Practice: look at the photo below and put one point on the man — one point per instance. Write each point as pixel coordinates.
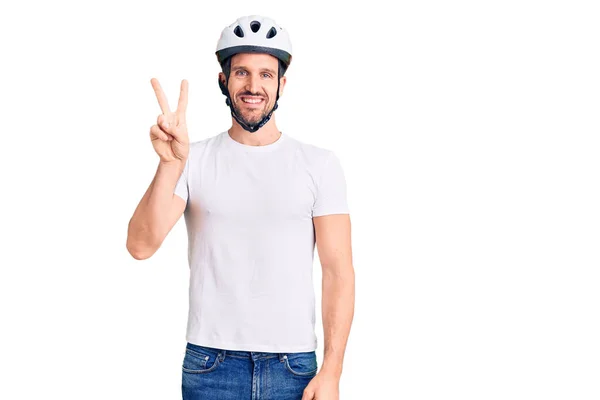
(255, 202)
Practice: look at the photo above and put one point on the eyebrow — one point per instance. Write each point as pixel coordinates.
(262, 69)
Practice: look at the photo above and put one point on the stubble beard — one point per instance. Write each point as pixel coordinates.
(251, 116)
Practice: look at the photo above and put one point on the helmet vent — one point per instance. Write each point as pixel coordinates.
(255, 26)
(272, 32)
(238, 31)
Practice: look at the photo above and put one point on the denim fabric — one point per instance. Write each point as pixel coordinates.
(218, 374)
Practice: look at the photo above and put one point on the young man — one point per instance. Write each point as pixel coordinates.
(255, 202)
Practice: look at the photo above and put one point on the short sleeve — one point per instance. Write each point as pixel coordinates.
(181, 188)
(331, 188)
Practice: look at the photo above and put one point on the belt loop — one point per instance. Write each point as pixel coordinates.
(223, 352)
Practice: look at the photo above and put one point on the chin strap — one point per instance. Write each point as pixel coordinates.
(259, 124)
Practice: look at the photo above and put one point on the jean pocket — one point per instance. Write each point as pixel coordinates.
(197, 361)
(301, 364)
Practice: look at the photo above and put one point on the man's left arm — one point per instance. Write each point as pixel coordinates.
(333, 239)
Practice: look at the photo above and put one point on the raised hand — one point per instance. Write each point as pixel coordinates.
(169, 136)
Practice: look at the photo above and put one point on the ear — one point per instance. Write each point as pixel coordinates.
(282, 81)
(222, 86)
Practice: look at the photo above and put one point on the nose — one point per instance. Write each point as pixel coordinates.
(253, 84)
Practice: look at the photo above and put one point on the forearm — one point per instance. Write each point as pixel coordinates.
(149, 221)
(338, 312)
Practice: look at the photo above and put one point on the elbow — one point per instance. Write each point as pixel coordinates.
(139, 255)
(140, 244)
(140, 251)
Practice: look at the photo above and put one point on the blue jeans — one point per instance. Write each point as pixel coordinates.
(217, 374)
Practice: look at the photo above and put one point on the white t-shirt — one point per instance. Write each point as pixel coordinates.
(251, 240)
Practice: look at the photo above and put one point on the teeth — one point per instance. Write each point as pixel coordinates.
(253, 101)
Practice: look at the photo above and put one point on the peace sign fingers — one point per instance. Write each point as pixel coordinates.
(160, 95)
(169, 136)
(183, 98)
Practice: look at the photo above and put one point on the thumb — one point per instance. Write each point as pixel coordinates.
(163, 121)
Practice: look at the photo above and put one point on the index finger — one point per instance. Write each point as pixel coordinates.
(160, 95)
(183, 97)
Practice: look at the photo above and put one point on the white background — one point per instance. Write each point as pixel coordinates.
(468, 132)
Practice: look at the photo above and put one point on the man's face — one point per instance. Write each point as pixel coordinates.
(253, 85)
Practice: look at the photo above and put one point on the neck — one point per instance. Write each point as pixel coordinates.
(266, 135)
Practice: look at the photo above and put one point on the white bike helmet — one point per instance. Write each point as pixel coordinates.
(253, 34)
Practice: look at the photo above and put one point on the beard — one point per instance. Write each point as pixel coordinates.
(251, 116)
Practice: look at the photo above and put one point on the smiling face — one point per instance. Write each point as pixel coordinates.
(253, 85)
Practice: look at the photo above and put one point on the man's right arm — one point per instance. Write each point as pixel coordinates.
(157, 213)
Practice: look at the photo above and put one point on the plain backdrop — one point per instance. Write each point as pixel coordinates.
(469, 135)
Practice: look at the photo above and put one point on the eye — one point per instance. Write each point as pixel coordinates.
(267, 74)
(239, 71)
